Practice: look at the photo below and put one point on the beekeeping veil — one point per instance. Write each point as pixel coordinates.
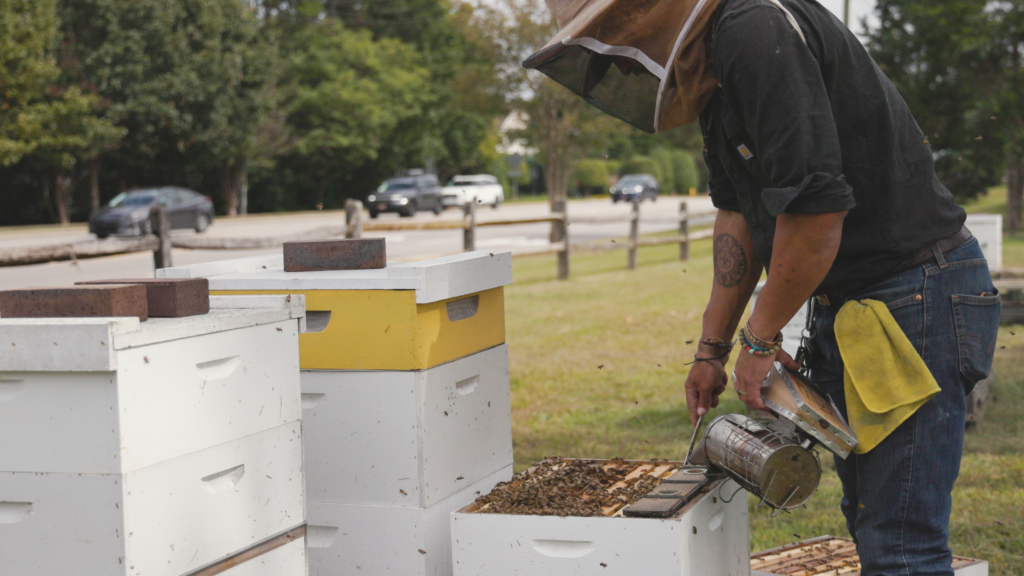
(642, 61)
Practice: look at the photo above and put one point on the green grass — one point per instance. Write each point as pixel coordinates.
(598, 365)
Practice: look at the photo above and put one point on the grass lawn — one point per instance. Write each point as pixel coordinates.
(597, 367)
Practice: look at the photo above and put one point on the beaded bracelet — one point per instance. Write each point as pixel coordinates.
(751, 346)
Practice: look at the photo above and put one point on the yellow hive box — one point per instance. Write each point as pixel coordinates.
(406, 316)
(388, 330)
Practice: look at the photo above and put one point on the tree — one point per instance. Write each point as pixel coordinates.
(57, 126)
(562, 127)
(958, 64)
(191, 81)
(349, 95)
(592, 175)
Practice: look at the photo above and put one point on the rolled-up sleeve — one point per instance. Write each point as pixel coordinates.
(722, 193)
(772, 81)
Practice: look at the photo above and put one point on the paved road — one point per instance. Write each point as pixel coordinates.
(401, 245)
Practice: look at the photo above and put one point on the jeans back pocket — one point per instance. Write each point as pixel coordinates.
(977, 325)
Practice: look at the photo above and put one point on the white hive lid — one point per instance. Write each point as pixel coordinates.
(91, 344)
(433, 280)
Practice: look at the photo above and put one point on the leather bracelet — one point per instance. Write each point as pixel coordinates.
(759, 342)
(712, 359)
(718, 343)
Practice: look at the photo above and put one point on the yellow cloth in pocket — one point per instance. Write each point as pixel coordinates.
(885, 379)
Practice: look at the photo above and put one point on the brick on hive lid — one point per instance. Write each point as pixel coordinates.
(76, 302)
(347, 254)
(169, 297)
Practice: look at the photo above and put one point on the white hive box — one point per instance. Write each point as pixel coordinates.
(149, 448)
(988, 229)
(708, 537)
(348, 539)
(163, 520)
(112, 395)
(829, 556)
(287, 560)
(406, 438)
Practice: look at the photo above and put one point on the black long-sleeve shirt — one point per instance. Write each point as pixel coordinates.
(805, 122)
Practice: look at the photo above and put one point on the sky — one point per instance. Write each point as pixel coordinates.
(858, 10)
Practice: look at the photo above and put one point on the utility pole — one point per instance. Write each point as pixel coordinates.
(846, 13)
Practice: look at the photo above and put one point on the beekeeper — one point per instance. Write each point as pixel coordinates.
(823, 181)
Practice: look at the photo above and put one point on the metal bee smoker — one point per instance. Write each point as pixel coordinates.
(764, 458)
(771, 455)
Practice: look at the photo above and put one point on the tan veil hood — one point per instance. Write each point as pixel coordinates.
(642, 61)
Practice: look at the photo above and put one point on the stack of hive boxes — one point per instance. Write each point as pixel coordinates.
(152, 448)
(405, 392)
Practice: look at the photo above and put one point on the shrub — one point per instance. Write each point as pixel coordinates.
(668, 181)
(685, 171)
(641, 165)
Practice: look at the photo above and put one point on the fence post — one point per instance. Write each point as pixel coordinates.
(469, 232)
(562, 235)
(161, 226)
(684, 231)
(353, 218)
(634, 234)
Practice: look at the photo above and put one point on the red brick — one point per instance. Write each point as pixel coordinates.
(75, 302)
(351, 254)
(169, 297)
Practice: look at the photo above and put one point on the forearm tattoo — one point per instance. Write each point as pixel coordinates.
(730, 261)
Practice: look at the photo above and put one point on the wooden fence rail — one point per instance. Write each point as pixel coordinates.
(161, 241)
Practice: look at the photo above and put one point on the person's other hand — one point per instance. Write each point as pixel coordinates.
(705, 383)
(751, 371)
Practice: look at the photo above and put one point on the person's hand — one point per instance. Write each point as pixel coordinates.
(705, 383)
(751, 371)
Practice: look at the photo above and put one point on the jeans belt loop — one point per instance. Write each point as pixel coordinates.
(939, 257)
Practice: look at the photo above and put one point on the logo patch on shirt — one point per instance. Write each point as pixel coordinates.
(745, 152)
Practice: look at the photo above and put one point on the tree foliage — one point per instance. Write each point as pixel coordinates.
(642, 165)
(960, 66)
(56, 125)
(296, 102)
(592, 174)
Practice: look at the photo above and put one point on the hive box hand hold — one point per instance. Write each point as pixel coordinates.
(169, 297)
(76, 302)
(349, 254)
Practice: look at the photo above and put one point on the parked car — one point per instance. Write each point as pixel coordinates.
(128, 212)
(407, 195)
(481, 188)
(635, 188)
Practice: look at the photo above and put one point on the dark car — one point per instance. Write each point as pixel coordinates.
(407, 195)
(635, 188)
(128, 212)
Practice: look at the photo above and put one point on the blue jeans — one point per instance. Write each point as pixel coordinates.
(897, 497)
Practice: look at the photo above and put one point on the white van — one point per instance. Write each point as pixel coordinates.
(483, 188)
